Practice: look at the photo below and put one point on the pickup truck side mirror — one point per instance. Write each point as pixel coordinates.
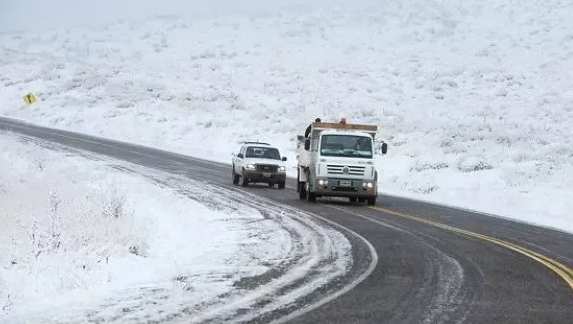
(284, 158)
(384, 148)
(307, 144)
(240, 155)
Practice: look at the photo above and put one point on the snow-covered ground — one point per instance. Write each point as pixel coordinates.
(473, 96)
(80, 240)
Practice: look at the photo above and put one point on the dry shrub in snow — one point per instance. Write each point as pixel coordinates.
(59, 223)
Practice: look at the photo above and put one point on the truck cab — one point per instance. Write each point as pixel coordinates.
(337, 160)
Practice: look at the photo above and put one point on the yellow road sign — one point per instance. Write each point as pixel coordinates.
(29, 98)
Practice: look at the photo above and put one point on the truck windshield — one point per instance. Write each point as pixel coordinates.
(346, 146)
(262, 152)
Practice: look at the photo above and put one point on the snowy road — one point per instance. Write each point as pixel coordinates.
(436, 264)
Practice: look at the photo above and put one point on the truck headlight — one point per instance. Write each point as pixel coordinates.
(322, 182)
(250, 167)
(368, 185)
(281, 169)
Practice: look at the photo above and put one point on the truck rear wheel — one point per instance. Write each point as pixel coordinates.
(301, 190)
(298, 178)
(281, 185)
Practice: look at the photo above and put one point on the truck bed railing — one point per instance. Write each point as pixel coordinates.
(363, 127)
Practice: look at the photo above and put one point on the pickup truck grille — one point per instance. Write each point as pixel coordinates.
(339, 169)
(267, 167)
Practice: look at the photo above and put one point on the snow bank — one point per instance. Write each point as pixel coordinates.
(63, 224)
(76, 234)
(473, 96)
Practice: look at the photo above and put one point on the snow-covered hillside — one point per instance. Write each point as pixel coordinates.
(473, 96)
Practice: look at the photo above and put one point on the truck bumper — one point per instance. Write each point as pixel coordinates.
(335, 187)
(257, 176)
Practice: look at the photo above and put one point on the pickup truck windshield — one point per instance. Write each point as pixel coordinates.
(262, 152)
(346, 146)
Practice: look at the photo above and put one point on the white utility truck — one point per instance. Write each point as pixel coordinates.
(337, 160)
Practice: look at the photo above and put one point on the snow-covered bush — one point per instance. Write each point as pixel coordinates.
(59, 221)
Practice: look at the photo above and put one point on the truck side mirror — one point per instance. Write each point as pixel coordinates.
(307, 144)
(284, 158)
(240, 155)
(384, 148)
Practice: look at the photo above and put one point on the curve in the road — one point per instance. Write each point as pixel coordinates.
(560, 269)
(430, 268)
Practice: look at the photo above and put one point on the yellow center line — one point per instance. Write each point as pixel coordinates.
(560, 269)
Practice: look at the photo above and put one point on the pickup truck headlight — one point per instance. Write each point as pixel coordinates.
(281, 169)
(250, 167)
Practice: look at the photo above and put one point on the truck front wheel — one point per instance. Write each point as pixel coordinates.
(371, 201)
(310, 196)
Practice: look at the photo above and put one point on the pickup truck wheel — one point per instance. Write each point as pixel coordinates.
(235, 177)
(352, 199)
(281, 185)
(245, 181)
(371, 201)
(271, 184)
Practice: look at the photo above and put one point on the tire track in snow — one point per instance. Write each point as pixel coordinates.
(319, 256)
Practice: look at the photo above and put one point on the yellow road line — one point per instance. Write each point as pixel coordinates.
(560, 269)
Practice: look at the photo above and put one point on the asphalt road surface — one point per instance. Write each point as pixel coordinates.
(435, 264)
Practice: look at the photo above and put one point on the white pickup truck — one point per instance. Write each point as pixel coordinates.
(337, 160)
(258, 162)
